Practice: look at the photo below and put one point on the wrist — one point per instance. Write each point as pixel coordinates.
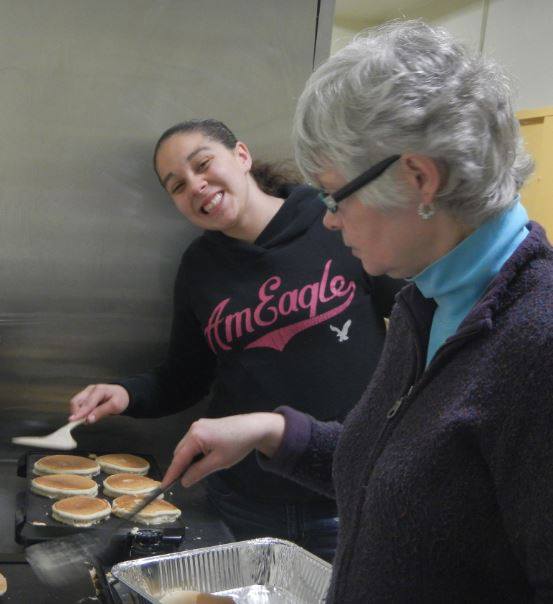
(272, 433)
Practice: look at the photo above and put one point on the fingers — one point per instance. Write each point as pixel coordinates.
(97, 401)
(181, 459)
(180, 444)
(197, 467)
(198, 433)
(76, 403)
(224, 442)
(200, 469)
(85, 401)
(196, 455)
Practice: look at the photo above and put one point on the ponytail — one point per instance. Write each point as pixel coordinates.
(274, 178)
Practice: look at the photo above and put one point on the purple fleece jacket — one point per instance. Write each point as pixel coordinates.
(444, 476)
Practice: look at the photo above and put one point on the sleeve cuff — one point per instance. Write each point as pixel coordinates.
(297, 434)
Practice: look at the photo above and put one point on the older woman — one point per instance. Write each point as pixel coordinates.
(443, 472)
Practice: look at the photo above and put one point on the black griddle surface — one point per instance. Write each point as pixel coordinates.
(34, 520)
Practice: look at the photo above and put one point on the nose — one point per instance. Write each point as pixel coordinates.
(331, 221)
(198, 184)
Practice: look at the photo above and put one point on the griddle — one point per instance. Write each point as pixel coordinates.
(34, 522)
(203, 526)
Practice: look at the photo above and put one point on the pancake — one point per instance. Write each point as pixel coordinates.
(80, 510)
(157, 512)
(115, 463)
(66, 464)
(129, 484)
(3, 585)
(56, 486)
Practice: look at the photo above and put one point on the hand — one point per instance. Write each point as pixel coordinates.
(224, 442)
(97, 401)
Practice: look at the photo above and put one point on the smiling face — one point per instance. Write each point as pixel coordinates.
(208, 183)
(395, 242)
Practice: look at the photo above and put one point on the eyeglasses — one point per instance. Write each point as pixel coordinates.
(332, 200)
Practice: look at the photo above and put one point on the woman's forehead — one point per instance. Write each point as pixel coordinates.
(191, 139)
(185, 146)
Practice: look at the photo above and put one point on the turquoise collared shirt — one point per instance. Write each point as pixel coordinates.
(457, 280)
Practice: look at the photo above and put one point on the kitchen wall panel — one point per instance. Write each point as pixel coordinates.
(89, 242)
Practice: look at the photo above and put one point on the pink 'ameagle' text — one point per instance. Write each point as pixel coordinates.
(222, 330)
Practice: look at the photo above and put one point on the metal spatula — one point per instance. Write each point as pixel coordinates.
(60, 439)
(58, 561)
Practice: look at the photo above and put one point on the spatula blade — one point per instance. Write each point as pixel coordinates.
(60, 439)
(43, 443)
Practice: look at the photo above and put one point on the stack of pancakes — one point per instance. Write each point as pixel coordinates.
(67, 478)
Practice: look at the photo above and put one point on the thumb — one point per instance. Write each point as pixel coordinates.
(200, 467)
(186, 455)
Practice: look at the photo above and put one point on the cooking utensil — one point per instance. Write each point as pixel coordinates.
(58, 561)
(60, 439)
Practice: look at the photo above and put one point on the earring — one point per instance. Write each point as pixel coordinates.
(426, 210)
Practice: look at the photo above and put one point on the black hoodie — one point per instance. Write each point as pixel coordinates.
(289, 319)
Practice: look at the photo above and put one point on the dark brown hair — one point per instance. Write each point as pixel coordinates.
(271, 178)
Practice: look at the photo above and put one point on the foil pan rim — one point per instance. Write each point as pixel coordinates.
(265, 557)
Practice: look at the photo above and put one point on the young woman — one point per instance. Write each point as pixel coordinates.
(443, 472)
(269, 308)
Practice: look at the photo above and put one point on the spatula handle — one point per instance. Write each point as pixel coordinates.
(74, 424)
(157, 492)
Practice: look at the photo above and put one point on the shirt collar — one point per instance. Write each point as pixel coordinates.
(478, 258)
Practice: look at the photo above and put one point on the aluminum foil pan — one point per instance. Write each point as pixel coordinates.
(260, 571)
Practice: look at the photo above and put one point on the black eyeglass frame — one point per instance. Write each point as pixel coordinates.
(331, 200)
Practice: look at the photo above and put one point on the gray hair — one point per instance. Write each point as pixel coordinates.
(407, 87)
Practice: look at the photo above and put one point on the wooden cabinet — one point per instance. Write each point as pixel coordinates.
(537, 194)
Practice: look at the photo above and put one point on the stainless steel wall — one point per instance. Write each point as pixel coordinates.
(89, 242)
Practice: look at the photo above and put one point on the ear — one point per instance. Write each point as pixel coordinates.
(242, 154)
(423, 175)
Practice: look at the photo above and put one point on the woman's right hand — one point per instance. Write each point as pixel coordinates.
(97, 401)
(214, 444)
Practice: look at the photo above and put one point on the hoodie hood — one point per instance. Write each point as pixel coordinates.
(300, 210)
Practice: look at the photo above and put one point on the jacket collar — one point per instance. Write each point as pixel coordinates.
(497, 295)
